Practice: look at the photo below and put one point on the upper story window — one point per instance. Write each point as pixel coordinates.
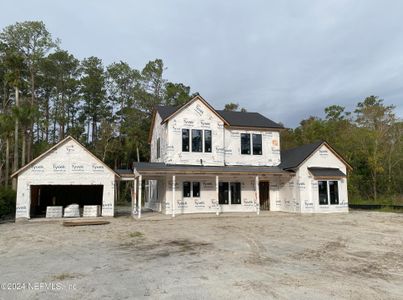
(246, 142)
(199, 140)
(257, 144)
(158, 148)
(207, 141)
(185, 140)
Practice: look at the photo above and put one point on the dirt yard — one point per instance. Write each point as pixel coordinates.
(275, 255)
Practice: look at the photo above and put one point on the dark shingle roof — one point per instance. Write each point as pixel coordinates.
(248, 119)
(326, 172)
(165, 111)
(292, 158)
(234, 118)
(166, 168)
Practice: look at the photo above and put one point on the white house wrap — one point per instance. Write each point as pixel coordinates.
(207, 160)
(65, 174)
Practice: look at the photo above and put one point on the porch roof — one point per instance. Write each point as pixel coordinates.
(326, 172)
(148, 168)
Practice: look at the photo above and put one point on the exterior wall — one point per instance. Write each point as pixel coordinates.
(196, 116)
(67, 164)
(208, 201)
(159, 131)
(309, 195)
(270, 148)
(300, 193)
(226, 142)
(288, 195)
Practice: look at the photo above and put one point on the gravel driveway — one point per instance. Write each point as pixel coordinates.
(358, 255)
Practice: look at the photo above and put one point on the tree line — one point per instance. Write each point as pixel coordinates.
(47, 94)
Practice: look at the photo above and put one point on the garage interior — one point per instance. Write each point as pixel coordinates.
(63, 195)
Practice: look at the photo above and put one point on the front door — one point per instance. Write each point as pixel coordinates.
(264, 195)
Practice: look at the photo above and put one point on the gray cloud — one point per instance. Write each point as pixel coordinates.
(285, 59)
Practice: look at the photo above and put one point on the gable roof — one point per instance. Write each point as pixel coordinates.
(182, 107)
(231, 118)
(293, 158)
(62, 142)
(165, 111)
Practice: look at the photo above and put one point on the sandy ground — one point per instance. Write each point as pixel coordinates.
(275, 255)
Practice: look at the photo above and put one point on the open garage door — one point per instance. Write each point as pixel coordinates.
(63, 195)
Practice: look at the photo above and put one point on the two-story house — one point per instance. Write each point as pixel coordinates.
(208, 160)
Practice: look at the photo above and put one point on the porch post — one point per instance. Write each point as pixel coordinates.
(140, 190)
(217, 194)
(134, 197)
(257, 195)
(173, 195)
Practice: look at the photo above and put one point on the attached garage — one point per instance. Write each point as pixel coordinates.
(65, 174)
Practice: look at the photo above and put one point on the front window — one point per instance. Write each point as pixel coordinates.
(328, 190)
(186, 189)
(257, 144)
(207, 141)
(235, 193)
(185, 140)
(223, 193)
(229, 191)
(196, 189)
(197, 137)
(334, 192)
(245, 143)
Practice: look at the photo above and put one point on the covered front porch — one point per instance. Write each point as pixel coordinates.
(182, 189)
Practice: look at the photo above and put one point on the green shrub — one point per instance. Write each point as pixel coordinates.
(7, 202)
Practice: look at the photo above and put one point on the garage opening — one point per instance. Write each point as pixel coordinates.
(63, 195)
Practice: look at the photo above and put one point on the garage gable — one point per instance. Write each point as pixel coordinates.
(66, 157)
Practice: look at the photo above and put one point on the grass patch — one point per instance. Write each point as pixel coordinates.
(390, 209)
(63, 276)
(136, 234)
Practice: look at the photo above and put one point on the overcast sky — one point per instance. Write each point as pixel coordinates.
(285, 59)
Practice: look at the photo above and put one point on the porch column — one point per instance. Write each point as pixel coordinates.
(134, 197)
(173, 195)
(140, 190)
(257, 195)
(217, 194)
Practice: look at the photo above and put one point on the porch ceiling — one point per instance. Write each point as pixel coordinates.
(144, 168)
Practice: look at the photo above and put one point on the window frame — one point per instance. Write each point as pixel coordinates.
(328, 193)
(229, 197)
(234, 201)
(243, 135)
(158, 148)
(191, 187)
(205, 141)
(253, 143)
(201, 140)
(187, 140)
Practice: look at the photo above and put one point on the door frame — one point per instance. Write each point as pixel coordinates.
(266, 202)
